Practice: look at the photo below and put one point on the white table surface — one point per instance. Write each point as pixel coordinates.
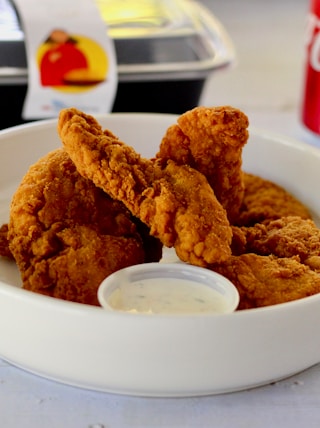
(266, 84)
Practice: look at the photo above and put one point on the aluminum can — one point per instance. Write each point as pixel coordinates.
(311, 92)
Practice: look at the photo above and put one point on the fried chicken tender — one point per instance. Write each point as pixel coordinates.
(211, 141)
(284, 237)
(67, 235)
(176, 202)
(264, 201)
(269, 280)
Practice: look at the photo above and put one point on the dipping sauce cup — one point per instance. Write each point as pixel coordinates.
(165, 288)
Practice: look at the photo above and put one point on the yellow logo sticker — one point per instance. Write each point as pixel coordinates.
(71, 62)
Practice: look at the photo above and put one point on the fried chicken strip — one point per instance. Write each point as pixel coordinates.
(67, 235)
(264, 201)
(176, 202)
(285, 237)
(269, 280)
(211, 141)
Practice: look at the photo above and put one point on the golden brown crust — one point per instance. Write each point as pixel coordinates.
(211, 141)
(284, 237)
(264, 201)
(275, 261)
(66, 235)
(176, 202)
(4, 243)
(268, 280)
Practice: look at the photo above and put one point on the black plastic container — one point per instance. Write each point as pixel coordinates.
(164, 56)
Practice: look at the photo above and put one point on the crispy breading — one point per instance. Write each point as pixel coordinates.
(4, 243)
(264, 201)
(67, 235)
(211, 141)
(176, 202)
(284, 237)
(239, 241)
(269, 280)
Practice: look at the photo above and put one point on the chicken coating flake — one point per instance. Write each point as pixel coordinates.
(4, 243)
(269, 280)
(211, 141)
(66, 235)
(284, 237)
(264, 201)
(176, 202)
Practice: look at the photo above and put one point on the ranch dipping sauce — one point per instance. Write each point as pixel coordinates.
(165, 288)
(166, 296)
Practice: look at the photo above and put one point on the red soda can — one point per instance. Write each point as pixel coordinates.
(311, 95)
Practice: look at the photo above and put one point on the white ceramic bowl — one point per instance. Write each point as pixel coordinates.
(164, 355)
